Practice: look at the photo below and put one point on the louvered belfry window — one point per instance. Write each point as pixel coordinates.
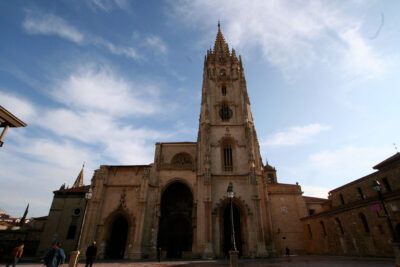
(228, 162)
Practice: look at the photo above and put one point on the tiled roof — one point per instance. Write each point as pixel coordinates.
(392, 159)
(314, 199)
(80, 189)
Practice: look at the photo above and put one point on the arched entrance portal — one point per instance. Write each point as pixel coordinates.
(175, 233)
(117, 240)
(227, 229)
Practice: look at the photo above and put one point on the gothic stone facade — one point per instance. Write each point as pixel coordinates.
(178, 204)
(355, 223)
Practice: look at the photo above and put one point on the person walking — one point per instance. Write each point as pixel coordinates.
(16, 254)
(51, 255)
(60, 255)
(91, 252)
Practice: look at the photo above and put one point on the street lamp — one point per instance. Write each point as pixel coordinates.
(232, 253)
(378, 188)
(74, 256)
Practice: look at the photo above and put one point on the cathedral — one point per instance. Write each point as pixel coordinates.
(178, 205)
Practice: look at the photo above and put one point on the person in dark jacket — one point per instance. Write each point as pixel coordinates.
(91, 252)
(51, 255)
(60, 255)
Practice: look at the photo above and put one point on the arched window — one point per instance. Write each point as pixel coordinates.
(228, 159)
(364, 222)
(223, 89)
(225, 112)
(323, 228)
(339, 225)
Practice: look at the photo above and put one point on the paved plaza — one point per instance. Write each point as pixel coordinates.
(298, 261)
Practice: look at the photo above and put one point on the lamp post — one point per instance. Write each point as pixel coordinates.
(233, 254)
(74, 255)
(395, 242)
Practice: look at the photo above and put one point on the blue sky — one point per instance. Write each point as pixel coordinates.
(100, 81)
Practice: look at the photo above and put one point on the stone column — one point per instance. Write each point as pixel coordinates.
(208, 249)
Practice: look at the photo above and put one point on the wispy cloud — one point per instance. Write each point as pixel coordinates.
(50, 24)
(98, 88)
(96, 103)
(156, 43)
(295, 135)
(290, 34)
(325, 170)
(87, 121)
(107, 5)
(127, 51)
(46, 165)
(17, 105)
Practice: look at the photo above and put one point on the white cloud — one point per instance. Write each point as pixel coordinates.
(349, 161)
(315, 191)
(155, 42)
(295, 135)
(98, 88)
(332, 168)
(46, 165)
(359, 57)
(120, 143)
(91, 127)
(49, 24)
(62, 154)
(290, 34)
(18, 106)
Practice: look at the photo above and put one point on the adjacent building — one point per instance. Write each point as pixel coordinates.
(353, 221)
(65, 217)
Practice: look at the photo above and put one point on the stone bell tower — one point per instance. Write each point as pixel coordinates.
(228, 151)
(225, 118)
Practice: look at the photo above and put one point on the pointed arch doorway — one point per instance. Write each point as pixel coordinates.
(227, 229)
(117, 239)
(175, 234)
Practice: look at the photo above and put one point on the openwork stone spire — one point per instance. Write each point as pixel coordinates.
(220, 45)
(79, 180)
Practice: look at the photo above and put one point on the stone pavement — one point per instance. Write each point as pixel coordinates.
(292, 261)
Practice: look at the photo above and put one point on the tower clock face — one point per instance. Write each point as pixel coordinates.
(225, 113)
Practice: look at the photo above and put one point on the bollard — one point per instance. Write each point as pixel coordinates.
(233, 258)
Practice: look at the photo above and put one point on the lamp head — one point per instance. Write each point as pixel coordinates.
(229, 190)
